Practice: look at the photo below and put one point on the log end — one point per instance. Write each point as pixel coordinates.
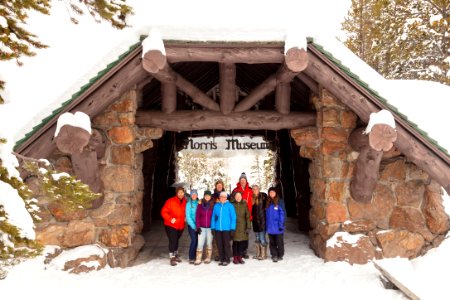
(71, 139)
(296, 59)
(154, 60)
(382, 137)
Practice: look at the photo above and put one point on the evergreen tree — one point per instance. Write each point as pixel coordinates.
(17, 41)
(402, 39)
(256, 170)
(268, 170)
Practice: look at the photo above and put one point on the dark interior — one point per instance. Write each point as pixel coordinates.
(292, 176)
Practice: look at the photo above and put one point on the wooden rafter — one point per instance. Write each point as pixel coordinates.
(122, 77)
(160, 69)
(199, 120)
(227, 87)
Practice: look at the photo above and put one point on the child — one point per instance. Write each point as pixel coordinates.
(275, 218)
(203, 223)
(240, 236)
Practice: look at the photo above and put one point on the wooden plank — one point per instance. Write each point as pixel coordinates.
(408, 291)
(199, 120)
(227, 86)
(248, 55)
(94, 100)
(407, 141)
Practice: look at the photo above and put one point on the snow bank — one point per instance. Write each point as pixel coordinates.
(345, 237)
(17, 214)
(73, 254)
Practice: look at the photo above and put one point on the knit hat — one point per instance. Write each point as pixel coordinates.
(194, 191)
(243, 176)
(224, 194)
(207, 192)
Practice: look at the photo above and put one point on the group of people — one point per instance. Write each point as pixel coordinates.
(220, 218)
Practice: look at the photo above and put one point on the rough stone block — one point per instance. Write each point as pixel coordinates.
(122, 155)
(400, 243)
(121, 135)
(79, 233)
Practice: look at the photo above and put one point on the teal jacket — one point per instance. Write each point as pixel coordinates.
(191, 210)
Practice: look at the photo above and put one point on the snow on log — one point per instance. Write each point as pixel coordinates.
(381, 130)
(73, 132)
(295, 52)
(153, 52)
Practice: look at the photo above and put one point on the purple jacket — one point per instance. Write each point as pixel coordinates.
(203, 214)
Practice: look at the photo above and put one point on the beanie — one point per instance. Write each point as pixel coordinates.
(243, 176)
(207, 192)
(194, 191)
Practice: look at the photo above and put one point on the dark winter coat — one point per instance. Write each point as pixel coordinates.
(247, 194)
(275, 218)
(204, 214)
(259, 213)
(243, 224)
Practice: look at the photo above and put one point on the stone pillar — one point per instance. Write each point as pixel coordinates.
(119, 221)
(405, 216)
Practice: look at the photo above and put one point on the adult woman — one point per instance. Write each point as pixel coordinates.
(275, 222)
(174, 214)
(203, 223)
(240, 237)
(191, 209)
(223, 222)
(259, 200)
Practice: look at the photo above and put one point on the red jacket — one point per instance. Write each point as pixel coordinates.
(173, 208)
(247, 195)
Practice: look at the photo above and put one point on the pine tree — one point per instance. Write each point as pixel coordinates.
(17, 41)
(268, 170)
(402, 39)
(256, 170)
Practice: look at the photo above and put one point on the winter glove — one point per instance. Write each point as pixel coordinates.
(199, 230)
(232, 233)
(173, 220)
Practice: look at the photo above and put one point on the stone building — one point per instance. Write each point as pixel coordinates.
(144, 105)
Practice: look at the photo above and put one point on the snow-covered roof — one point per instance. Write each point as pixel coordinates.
(188, 23)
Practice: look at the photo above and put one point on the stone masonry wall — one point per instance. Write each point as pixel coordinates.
(117, 223)
(405, 217)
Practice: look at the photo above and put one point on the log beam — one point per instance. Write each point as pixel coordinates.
(414, 147)
(232, 55)
(160, 69)
(169, 97)
(227, 86)
(199, 120)
(283, 98)
(282, 76)
(122, 77)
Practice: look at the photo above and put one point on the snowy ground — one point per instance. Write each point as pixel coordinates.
(301, 272)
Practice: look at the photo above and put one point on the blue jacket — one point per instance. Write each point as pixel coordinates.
(275, 218)
(223, 217)
(191, 209)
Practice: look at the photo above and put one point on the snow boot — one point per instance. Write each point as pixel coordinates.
(263, 252)
(198, 257)
(208, 255)
(275, 259)
(177, 257)
(240, 260)
(235, 260)
(172, 260)
(258, 251)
